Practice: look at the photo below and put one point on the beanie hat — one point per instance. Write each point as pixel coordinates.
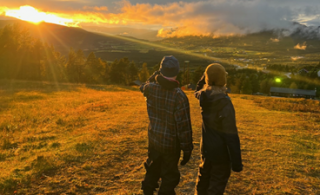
(216, 75)
(169, 66)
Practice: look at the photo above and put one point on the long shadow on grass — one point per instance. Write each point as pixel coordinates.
(29, 91)
(12, 87)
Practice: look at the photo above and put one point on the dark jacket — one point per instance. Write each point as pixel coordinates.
(220, 141)
(169, 113)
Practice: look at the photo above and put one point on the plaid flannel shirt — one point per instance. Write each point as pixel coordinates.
(169, 114)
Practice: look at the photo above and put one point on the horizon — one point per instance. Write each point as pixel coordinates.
(170, 18)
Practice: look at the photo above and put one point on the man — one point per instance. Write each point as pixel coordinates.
(169, 129)
(220, 144)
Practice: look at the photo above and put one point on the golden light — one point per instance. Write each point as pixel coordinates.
(30, 14)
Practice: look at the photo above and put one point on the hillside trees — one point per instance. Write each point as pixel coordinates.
(54, 68)
(8, 49)
(185, 77)
(293, 86)
(123, 70)
(37, 57)
(197, 74)
(133, 72)
(21, 56)
(94, 69)
(246, 87)
(254, 80)
(155, 68)
(80, 61)
(71, 66)
(28, 58)
(265, 85)
(144, 73)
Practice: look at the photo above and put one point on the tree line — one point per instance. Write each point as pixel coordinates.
(250, 81)
(24, 57)
(303, 70)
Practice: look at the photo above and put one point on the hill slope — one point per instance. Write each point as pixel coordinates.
(62, 37)
(107, 47)
(93, 139)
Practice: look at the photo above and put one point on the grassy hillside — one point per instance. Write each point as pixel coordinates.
(78, 139)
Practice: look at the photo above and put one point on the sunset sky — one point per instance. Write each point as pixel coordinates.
(187, 17)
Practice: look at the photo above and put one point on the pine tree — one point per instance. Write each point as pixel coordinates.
(94, 69)
(79, 64)
(118, 71)
(185, 79)
(265, 85)
(144, 73)
(197, 74)
(71, 66)
(37, 56)
(57, 67)
(254, 80)
(124, 65)
(132, 72)
(246, 87)
(155, 68)
(293, 86)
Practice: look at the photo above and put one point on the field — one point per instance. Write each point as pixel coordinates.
(83, 139)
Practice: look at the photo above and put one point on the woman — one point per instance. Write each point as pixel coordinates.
(220, 144)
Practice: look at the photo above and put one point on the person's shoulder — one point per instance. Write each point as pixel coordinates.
(180, 93)
(181, 96)
(148, 87)
(152, 85)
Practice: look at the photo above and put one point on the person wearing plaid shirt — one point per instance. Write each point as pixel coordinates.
(169, 129)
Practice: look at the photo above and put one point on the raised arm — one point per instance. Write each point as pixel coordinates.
(201, 83)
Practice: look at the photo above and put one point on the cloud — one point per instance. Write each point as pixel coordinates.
(301, 47)
(274, 40)
(219, 17)
(214, 17)
(294, 58)
(96, 8)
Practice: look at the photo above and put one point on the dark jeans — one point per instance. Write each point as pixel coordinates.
(164, 166)
(212, 178)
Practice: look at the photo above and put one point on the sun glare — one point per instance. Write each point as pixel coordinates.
(30, 14)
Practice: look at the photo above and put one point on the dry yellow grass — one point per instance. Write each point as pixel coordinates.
(93, 140)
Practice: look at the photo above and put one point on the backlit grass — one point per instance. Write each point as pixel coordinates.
(78, 139)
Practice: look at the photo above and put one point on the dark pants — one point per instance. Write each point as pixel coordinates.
(164, 166)
(212, 178)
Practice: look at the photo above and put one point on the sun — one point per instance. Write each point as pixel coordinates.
(30, 14)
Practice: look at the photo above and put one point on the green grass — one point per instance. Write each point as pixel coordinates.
(79, 139)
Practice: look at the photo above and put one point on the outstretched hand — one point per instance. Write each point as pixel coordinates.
(186, 157)
(201, 82)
